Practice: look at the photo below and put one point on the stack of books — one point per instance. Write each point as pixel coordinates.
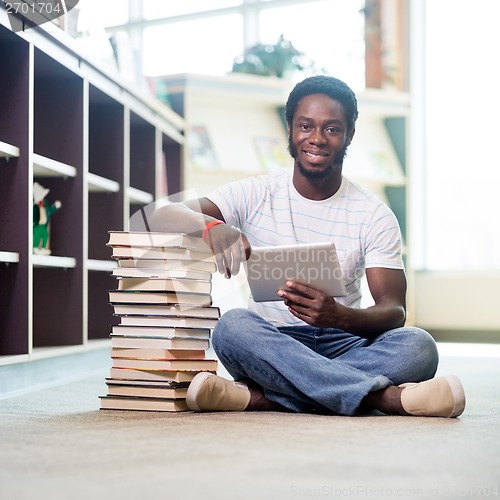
(164, 304)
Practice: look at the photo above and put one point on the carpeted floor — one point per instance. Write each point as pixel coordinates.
(56, 444)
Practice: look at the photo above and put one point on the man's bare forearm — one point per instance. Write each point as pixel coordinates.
(178, 218)
(373, 320)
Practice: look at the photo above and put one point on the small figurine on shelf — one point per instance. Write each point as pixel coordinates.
(42, 213)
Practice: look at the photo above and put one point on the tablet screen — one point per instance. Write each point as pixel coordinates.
(313, 264)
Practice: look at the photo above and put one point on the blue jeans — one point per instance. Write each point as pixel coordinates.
(308, 369)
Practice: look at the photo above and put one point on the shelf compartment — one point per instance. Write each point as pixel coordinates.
(57, 306)
(106, 135)
(142, 155)
(100, 312)
(47, 167)
(106, 172)
(105, 214)
(58, 110)
(14, 307)
(53, 261)
(15, 177)
(170, 171)
(14, 91)
(8, 150)
(98, 184)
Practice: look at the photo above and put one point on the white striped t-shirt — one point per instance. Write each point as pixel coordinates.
(269, 211)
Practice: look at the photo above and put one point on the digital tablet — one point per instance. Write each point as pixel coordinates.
(313, 264)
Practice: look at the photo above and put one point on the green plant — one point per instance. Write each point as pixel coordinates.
(273, 60)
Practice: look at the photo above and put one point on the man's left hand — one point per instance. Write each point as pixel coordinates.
(311, 306)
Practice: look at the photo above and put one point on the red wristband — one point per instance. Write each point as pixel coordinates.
(208, 227)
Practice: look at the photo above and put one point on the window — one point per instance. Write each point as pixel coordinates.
(194, 46)
(153, 9)
(462, 172)
(330, 32)
(99, 13)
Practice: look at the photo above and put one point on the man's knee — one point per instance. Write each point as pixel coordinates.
(231, 324)
(423, 349)
(416, 355)
(231, 320)
(424, 342)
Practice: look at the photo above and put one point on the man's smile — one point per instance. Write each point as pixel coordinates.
(315, 157)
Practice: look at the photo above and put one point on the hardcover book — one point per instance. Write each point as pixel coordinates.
(161, 253)
(144, 389)
(168, 321)
(161, 332)
(150, 383)
(142, 404)
(165, 264)
(165, 285)
(135, 342)
(141, 375)
(144, 297)
(143, 352)
(166, 364)
(156, 239)
(166, 310)
(145, 273)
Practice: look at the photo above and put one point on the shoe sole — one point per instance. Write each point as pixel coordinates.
(194, 389)
(458, 395)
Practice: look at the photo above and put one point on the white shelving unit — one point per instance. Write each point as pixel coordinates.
(101, 147)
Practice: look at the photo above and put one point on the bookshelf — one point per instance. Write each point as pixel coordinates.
(104, 150)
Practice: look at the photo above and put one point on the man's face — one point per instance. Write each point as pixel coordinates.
(318, 137)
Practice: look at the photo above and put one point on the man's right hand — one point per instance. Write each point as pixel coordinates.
(230, 246)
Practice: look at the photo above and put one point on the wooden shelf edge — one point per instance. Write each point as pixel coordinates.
(138, 196)
(54, 261)
(8, 150)
(9, 257)
(47, 167)
(101, 265)
(100, 184)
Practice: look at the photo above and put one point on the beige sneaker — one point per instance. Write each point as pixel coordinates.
(209, 392)
(437, 397)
